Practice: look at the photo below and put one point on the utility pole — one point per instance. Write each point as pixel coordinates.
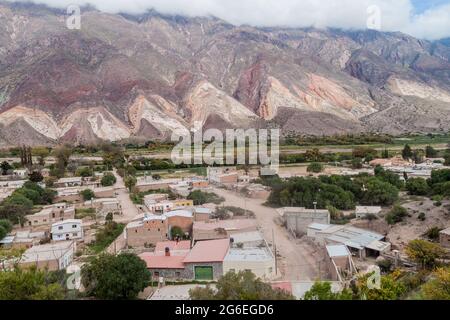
(275, 252)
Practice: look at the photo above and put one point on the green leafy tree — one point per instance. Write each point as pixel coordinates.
(85, 172)
(424, 252)
(438, 288)
(407, 152)
(108, 179)
(379, 193)
(240, 286)
(417, 187)
(62, 155)
(430, 152)
(6, 167)
(120, 277)
(130, 182)
(28, 285)
(87, 194)
(176, 232)
(323, 291)
(315, 167)
(390, 288)
(396, 215)
(36, 176)
(357, 163)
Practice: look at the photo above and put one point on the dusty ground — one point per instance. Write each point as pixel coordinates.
(412, 228)
(297, 259)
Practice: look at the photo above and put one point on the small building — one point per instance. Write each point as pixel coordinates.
(340, 262)
(71, 229)
(220, 229)
(69, 182)
(363, 211)
(222, 175)
(52, 257)
(444, 238)
(360, 242)
(149, 231)
(103, 206)
(251, 239)
(147, 184)
(298, 219)
(260, 261)
(51, 214)
(205, 261)
(202, 214)
(20, 173)
(167, 259)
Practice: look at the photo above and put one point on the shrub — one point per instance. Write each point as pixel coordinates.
(421, 216)
(87, 194)
(108, 180)
(396, 215)
(315, 167)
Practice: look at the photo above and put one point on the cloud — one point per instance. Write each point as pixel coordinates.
(396, 15)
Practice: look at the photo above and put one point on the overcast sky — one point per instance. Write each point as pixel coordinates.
(429, 19)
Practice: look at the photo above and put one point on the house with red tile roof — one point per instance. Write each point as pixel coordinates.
(203, 262)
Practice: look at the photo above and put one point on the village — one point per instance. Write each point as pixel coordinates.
(191, 229)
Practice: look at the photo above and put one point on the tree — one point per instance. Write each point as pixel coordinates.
(109, 216)
(111, 277)
(5, 166)
(36, 176)
(430, 152)
(323, 291)
(407, 153)
(41, 153)
(447, 158)
(176, 232)
(28, 285)
(390, 288)
(62, 155)
(379, 193)
(396, 215)
(313, 155)
(108, 179)
(87, 194)
(315, 167)
(418, 156)
(424, 252)
(417, 187)
(438, 288)
(357, 163)
(130, 182)
(85, 172)
(5, 228)
(240, 286)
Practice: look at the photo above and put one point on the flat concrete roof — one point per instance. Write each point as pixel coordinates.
(248, 254)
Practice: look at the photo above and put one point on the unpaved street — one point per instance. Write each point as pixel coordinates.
(298, 259)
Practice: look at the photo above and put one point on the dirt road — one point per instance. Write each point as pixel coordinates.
(297, 260)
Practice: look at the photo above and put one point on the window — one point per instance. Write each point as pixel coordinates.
(75, 234)
(74, 226)
(60, 227)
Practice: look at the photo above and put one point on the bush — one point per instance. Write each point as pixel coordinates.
(396, 215)
(417, 187)
(200, 198)
(433, 233)
(315, 167)
(108, 180)
(87, 194)
(421, 216)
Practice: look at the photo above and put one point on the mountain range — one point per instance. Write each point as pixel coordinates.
(145, 76)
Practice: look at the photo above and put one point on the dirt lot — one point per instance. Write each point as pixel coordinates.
(412, 228)
(298, 260)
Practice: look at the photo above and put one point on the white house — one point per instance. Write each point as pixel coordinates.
(67, 230)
